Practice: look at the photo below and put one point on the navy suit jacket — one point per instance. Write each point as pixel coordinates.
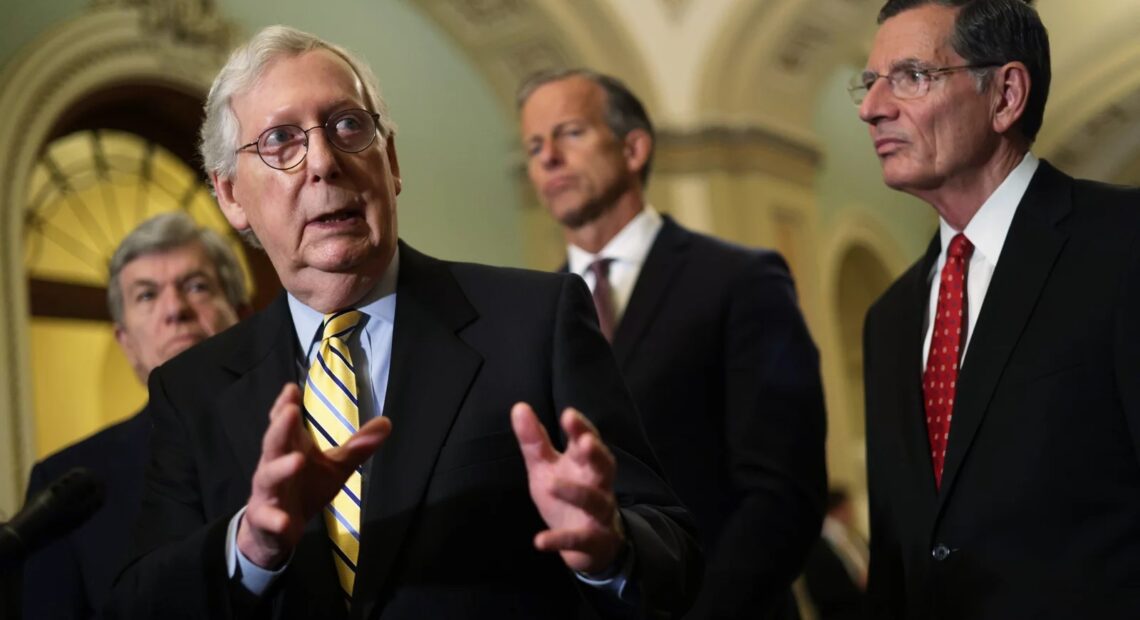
(726, 378)
(71, 578)
(448, 523)
(1038, 514)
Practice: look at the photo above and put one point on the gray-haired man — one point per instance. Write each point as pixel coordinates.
(172, 285)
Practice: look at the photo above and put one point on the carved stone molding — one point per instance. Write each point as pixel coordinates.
(737, 150)
(178, 44)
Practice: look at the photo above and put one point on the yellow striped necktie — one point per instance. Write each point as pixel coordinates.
(332, 415)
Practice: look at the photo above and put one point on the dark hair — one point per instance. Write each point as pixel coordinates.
(997, 32)
(624, 111)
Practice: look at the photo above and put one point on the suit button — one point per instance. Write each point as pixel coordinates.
(940, 552)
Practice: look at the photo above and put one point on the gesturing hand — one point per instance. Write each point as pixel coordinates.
(572, 490)
(294, 479)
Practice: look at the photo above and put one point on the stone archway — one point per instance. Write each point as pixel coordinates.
(174, 44)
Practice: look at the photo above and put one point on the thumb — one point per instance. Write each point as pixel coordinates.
(532, 437)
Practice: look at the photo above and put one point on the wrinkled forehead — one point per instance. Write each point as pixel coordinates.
(298, 79)
(570, 97)
(173, 263)
(915, 36)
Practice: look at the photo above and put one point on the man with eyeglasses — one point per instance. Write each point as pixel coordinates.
(460, 445)
(1003, 368)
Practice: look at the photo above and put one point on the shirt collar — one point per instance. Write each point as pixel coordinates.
(630, 245)
(988, 228)
(379, 303)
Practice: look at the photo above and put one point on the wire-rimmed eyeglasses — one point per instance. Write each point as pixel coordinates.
(285, 146)
(905, 82)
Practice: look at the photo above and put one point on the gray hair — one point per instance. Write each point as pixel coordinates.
(220, 135)
(623, 113)
(166, 232)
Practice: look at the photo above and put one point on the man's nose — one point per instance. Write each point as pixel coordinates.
(174, 305)
(878, 103)
(322, 159)
(549, 155)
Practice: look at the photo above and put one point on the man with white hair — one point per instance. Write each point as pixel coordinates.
(461, 445)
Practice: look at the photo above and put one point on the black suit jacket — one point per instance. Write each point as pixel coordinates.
(1039, 511)
(726, 377)
(448, 523)
(71, 578)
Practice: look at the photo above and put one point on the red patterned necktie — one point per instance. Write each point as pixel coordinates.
(603, 296)
(940, 380)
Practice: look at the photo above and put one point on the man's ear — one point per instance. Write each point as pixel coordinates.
(1013, 84)
(394, 164)
(636, 148)
(231, 208)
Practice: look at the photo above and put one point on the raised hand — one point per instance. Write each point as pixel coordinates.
(573, 490)
(294, 479)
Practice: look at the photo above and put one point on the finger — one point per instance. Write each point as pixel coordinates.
(599, 504)
(575, 424)
(284, 420)
(581, 539)
(362, 444)
(594, 458)
(532, 437)
(272, 476)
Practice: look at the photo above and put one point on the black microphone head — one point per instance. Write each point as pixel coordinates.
(65, 504)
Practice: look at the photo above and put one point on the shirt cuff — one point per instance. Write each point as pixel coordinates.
(253, 578)
(614, 580)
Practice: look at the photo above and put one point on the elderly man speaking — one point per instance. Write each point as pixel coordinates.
(396, 436)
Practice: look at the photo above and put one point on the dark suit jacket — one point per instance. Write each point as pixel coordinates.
(1039, 511)
(832, 592)
(71, 578)
(726, 377)
(448, 523)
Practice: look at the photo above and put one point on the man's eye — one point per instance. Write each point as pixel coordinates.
(347, 124)
(144, 296)
(914, 76)
(198, 286)
(277, 136)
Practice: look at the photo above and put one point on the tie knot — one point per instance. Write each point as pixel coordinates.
(340, 324)
(601, 267)
(960, 247)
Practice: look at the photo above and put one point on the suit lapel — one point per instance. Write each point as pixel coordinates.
(431, 372)
(1031, 248)
(665, 256)
(912, 333)
(264, 365)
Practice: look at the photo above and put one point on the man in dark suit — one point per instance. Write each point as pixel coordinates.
(707, 334)
(1003, 411)
(172, 285)
(476, 505)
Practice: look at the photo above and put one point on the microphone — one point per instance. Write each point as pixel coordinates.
(63, 506)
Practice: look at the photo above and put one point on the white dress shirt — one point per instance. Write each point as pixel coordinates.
(987, 230)
(628, 250)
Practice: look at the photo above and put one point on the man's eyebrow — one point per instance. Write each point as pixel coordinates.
(910, 63)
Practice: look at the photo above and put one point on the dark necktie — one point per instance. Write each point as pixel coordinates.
(940, 380)
(603, 296)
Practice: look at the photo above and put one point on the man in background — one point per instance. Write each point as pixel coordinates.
(708, 336)
(1002, 369)
(172, 284)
